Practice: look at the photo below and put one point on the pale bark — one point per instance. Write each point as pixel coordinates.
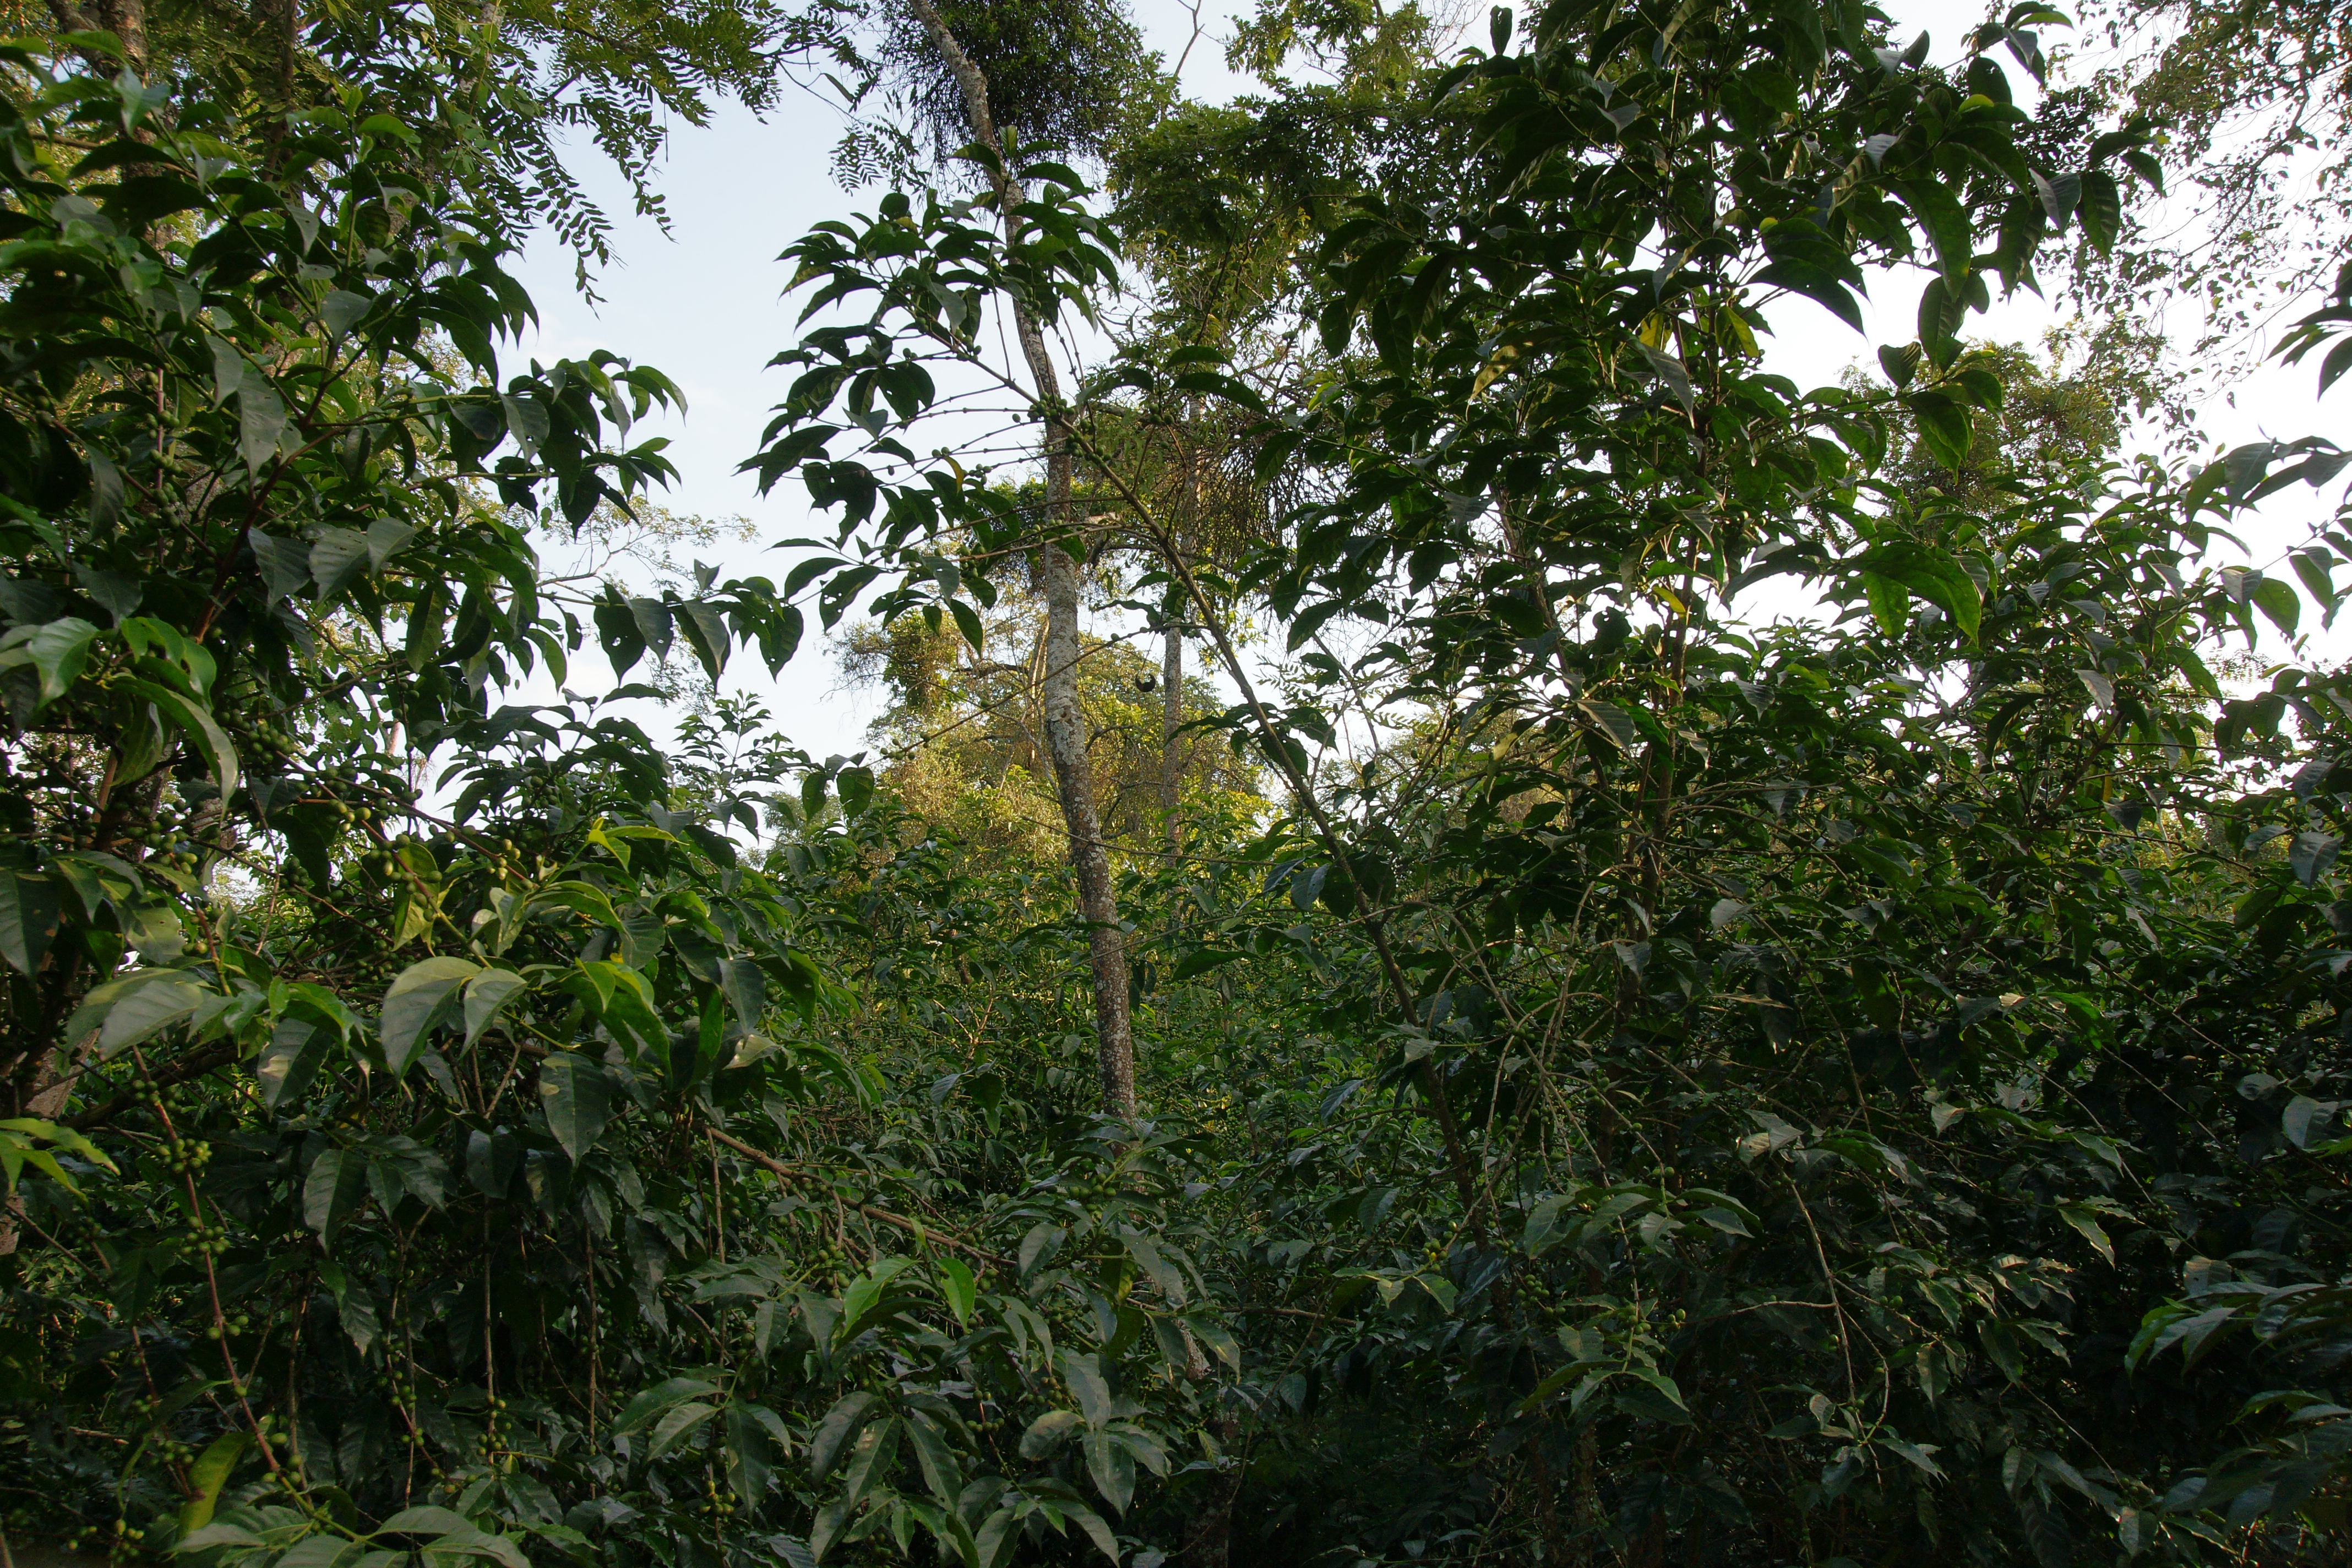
(1303, 793)
(1171, 719)
(1066, 724)
(1171, 664)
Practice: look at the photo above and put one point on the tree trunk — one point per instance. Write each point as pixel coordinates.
(1171, 719)
(284, 19)
(1066, 724)
(1065, 735)
(126, 20)
(1171, 662)
(1208, 1543)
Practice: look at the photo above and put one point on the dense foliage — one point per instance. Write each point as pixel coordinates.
(1625, 1072)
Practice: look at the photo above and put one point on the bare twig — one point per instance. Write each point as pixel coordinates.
(916, 1227)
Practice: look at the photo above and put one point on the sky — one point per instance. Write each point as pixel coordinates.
(704, 303)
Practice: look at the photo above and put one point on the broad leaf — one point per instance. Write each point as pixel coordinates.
(424, 995)
(839, 1424)
(334, 1191)
(30, 905)
(577, 1098)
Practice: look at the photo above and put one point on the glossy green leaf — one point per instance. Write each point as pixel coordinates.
(838, 1426)
(208, 1472)
(30, 906)
(1084, 1375)
(649, 1405)
(2101, 208)
(332, 1192)
(57, 651)
(1934, 576)
(577, 1098)
(677, 1426)
(194, 720)
(957, 1285)
(2277, 602)
(424, 995)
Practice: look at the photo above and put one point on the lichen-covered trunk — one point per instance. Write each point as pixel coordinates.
(1066, 737)
(1171, 719)
(1065, 722)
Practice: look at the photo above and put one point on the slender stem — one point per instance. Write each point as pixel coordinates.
(925, 1232)
(1065, 725)
(1303, 793)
